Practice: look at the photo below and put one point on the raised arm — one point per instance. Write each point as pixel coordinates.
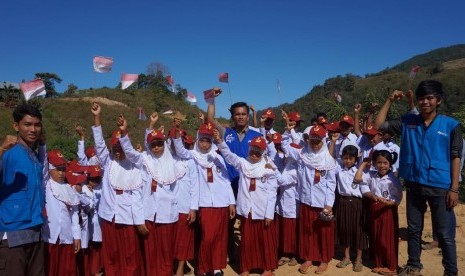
(357, 109)
(82, 158)
(382, 115)
(228, 156)
(100, 146)
(181, 151)
(132, 155)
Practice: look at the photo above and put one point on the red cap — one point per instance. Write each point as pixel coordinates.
(277, 138)
(75, 167)
(296, 146)
(75, 178)
(155, 134)
(268, 113)
(294, 116)
(56, 158)
(94, 171)
(90, 152)
(258, 142)
(371, 130)
(333, 127)
(317, 132)
(347, 119)
(188, 139)
(207, 128)
(172, 132)
(115, 137)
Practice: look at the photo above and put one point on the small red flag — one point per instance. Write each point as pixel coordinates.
(223, 77)
(103, 64)
(128, 79)
(170, 80)
(414, 71)
(33, 89)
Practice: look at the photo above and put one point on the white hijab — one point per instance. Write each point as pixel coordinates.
(64, 193)
(123, 175)
(320, 160)
(205, 160)
(165, 169)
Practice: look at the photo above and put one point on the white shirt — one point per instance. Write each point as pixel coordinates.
(261, 202)
(341, 142)
(188, 194)
(345, 179)
(125, 206)
(218, 193)
(387, 186)
(393, 147)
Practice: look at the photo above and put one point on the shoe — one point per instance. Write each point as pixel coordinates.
(305, 267)
(386, 271)
(292, 262)
(321, 268)
(218, 273)
(358, 267)
(283, 261)
(409, 271)
(343, 263)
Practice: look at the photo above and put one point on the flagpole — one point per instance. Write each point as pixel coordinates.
(229, 90)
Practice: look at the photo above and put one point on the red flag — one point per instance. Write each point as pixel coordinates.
(170, 80)
(223, 77)
(414, 71)
(141, 114)
(191, 97)
(128, 79)
(210, 94)
(33, 89)
(103, 64)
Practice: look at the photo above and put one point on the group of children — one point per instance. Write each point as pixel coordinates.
(133, 211)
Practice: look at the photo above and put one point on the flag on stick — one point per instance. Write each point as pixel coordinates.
(191, 97)
(128, 79)
(103, 64)
(210, 94)
(141, 114)
(414, 71)
(32, 89)
(224, 77)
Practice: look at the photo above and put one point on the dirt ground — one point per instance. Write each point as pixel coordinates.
(431, 259)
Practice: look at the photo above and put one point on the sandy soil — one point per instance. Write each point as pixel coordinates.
(431, 259)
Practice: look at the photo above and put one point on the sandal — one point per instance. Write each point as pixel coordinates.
(321, 268)
(343, 263)
(386, 271)
(305, 267)
(283, 261)
(358, 267)
(376, 269)
(292, 262)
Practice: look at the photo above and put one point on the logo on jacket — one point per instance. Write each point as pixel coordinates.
(229, 138)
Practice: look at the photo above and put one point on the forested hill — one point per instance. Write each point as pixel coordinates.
(444, 64)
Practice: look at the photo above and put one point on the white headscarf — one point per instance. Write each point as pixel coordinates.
(123, 175)
(205, 160)
(320, 160)
(165, 169)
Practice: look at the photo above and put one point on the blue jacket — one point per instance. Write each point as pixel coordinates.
(241, 148)
(425, 151)
(21, 191)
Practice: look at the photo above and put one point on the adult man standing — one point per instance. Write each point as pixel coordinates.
(22, 195)
(431, 145)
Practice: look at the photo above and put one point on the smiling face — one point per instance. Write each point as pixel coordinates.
(382, 165)
(428, 104)
(29, 129)
(349, 161)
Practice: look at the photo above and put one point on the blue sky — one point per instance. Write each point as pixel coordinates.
(301, 43)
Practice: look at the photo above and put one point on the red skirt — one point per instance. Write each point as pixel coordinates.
(121, 250)
(159, 248)
(82, 262)
(95, 257)
(384, 234)
(287, 234)
(60, 259)
(258, 247)
(184, 244)
(316, 237)
(214, 239)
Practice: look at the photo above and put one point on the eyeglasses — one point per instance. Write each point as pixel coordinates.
(255, 152)
(157, 143)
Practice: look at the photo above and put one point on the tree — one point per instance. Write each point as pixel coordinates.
(71, 90)
(49, 80)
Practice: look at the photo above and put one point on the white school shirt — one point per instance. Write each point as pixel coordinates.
(287, 205)
(261, 202)
(366, 148)
(62, 221)
(265, 132)
(160, 206)
(188, 194)
(316, 195)
(219, 193)
(345, 179)
(393, 147)
(387, 186)
(82, 158)
(94, 230)
(125, 208)
(85, 203)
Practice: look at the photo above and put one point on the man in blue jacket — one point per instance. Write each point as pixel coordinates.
(22, 195)
(429, 162)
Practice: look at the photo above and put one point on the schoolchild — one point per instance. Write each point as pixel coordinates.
(345, 137)
(88, 156)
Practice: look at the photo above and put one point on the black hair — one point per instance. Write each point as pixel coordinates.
(314, 120)
(429, 87)
(236, 105)
(350, 150)
(22, 110)
(321, 114)
(391, 157)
